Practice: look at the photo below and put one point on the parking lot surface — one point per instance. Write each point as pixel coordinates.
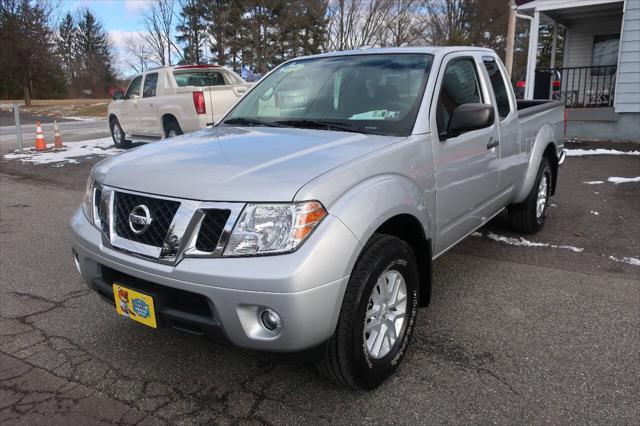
(544, 329)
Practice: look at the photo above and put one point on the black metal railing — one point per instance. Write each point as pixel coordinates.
(582, 87)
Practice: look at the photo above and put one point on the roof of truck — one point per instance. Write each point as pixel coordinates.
(424, 49)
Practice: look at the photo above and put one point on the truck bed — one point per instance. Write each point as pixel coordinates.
(535, 106)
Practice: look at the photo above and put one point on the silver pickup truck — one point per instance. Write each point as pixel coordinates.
(309, 217)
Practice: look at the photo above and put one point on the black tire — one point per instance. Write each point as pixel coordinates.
(524, 217)
(346, 359)
(172, 129)
(118, 135)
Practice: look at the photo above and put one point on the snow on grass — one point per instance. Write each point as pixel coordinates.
(595, 213)
(630, 260)
(521, 242)
(71, 155)
(618, 180)
(599, 151)
(77, 118)
(594, 182)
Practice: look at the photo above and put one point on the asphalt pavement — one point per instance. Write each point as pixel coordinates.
(514, 334)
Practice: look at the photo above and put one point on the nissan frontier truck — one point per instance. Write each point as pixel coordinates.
(309, 217)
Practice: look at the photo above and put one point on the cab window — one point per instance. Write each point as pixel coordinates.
(499, 88)
(198, 78)
(134, 87)
(460, 85)
(150, 85)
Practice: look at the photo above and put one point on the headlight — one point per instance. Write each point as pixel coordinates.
(87, 202)
(273, 228)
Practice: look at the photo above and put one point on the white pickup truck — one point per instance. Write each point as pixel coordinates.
(170, 101)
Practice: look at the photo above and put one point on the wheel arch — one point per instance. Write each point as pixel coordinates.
(394, 205)
(543, 146)
(168, 118)
(408, 228)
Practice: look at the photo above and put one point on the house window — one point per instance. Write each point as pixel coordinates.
(605, 54)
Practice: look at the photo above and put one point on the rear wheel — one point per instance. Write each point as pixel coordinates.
(118, 135)
(529, 216)
(172, 129)
(377, 317)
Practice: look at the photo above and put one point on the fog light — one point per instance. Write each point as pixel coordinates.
(270, 319)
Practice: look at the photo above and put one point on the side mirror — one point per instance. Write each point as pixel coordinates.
(117, 95)
(468, 117)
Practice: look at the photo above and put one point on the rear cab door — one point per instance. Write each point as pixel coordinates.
(149, 121)
(128, 117)
(511, 160)
(467, 171)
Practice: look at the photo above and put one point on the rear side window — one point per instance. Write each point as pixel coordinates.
(150, 85)
(198, 78)
(460, 85)
(499, 88)
(134, 87)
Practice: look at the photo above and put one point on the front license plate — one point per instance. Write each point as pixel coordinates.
(134, 305)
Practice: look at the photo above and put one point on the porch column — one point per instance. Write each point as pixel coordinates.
(554, 46)
(532, 56)
(511, 38)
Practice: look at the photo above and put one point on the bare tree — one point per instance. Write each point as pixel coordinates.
(356, 23)
(407, 23)
(138, 55)
(448, 21)
(159, 26)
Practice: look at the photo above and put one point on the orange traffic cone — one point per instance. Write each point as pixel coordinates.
(58, 139)
(41, 144)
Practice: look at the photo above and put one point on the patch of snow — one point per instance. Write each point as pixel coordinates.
(521, 242)
(554, 205)
(76, 118)
(618, 180)
(630, 260)
(595, 213)
(599, 151)
(73, 151)
(594, 182)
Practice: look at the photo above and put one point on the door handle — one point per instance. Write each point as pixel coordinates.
(493, 143)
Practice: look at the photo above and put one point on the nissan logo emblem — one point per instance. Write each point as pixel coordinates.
(140, 219)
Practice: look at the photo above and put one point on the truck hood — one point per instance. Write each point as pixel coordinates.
(236, 163)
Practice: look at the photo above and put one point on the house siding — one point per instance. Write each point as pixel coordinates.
(628, 88)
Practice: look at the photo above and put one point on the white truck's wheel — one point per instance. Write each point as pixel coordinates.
(117, 134)
(377, 317)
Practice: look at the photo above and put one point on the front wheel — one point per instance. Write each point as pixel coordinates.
(377, 317)
(118, 135)
(529, 216)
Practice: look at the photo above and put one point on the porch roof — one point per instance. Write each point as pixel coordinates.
(569, 12)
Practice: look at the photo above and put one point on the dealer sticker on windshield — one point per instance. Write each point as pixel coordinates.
(134, 305)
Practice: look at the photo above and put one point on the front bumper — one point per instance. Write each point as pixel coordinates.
(305, 287)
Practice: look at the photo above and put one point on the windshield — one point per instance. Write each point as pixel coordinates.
(378, 94)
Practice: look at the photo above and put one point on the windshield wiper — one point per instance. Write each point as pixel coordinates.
(320, 124)
(244, 121)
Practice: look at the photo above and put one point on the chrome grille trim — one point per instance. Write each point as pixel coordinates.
(181, 237)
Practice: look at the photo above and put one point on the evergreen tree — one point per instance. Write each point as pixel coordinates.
(29, 63)
(96, 73)
(192, 30)
(66, 48)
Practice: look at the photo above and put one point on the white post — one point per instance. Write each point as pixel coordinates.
(511, 38)
(532, 57)
(554, 45)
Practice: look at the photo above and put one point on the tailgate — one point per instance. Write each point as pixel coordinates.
(220, 98)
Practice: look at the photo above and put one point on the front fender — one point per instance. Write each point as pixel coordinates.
(544, 137)
(366, 206)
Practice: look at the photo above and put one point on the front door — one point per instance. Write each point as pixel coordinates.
(466, 166)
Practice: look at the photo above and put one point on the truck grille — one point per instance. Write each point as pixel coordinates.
(161, 211)
(211, 229)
